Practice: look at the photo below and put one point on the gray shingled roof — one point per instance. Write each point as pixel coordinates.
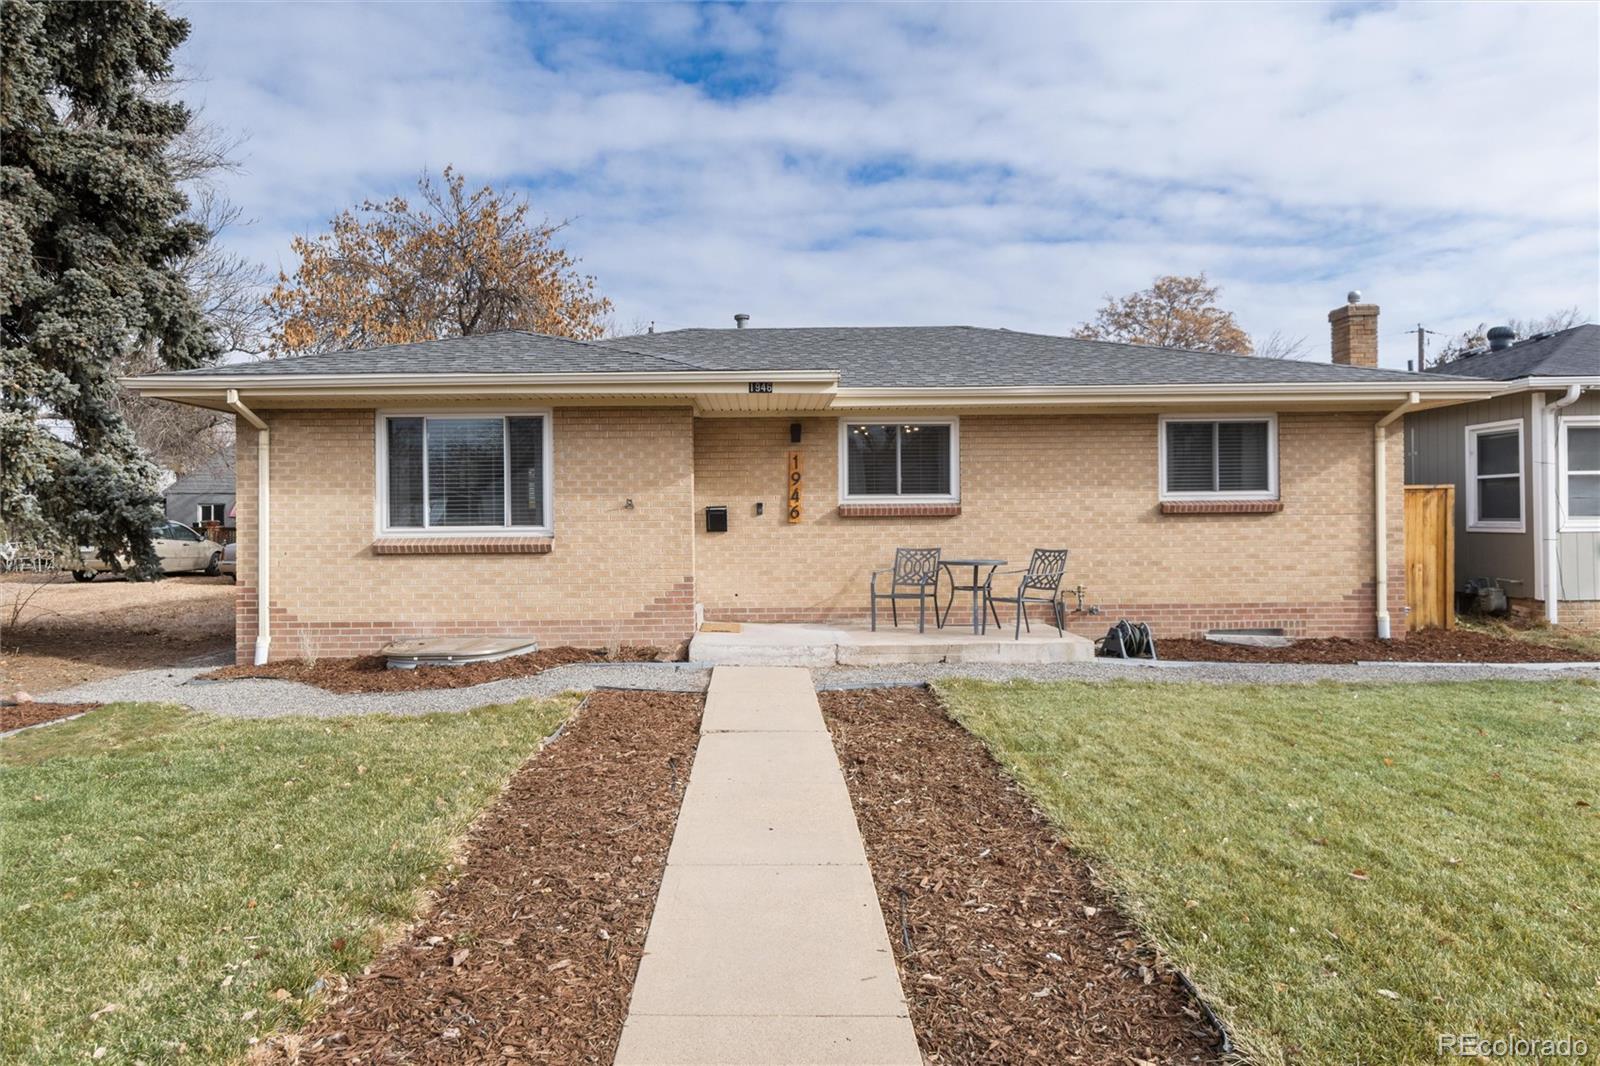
(865, 357)
(954, 356)
(508, 352)
(1572, 352)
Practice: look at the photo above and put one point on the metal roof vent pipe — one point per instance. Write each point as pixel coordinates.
(1501, 338)
(739, 320)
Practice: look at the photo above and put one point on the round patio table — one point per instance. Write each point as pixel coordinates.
(979, 589)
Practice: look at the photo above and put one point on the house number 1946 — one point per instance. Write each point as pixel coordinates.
(794, 488)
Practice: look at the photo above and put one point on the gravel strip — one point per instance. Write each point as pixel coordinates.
(261, 698)
(1186, 673)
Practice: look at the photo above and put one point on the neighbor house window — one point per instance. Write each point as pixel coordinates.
(1580, 473)
(465, 473)
(212, 512)
(1219, 458)
(913, 461)
(1494, 477)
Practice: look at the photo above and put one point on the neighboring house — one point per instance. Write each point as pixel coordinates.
(1526, 466)
(513, 483)
(204, 496)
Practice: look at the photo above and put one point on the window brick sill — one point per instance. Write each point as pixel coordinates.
(462, 546)
(899, 510)
(1221, 506)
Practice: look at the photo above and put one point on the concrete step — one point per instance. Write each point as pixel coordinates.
(816, 646)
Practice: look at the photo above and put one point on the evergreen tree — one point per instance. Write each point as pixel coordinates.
(91, 227)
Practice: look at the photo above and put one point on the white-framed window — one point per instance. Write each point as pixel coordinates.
(911, 461)
(1494, 477)
(1224, 457)
(464, 472)
(211, 512)
(1578, 473)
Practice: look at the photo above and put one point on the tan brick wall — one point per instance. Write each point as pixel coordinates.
(1087, 482)
(612, 573)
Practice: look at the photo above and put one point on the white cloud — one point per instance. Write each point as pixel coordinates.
(1028, 159)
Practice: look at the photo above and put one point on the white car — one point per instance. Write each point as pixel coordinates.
(178, 547)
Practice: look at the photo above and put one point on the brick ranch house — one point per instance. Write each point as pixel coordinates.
(512, 483)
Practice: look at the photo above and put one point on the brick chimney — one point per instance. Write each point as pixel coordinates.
(1355, 332)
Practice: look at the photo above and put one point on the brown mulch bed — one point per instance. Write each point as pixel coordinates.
(370, 673)
(17, 715)
(1429, 645)
(1008, 951)
(530, 955)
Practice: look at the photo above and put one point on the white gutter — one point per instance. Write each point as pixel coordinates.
(1380, 510)
(263, 525)
(1550, 550)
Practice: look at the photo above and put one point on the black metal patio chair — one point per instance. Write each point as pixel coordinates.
(914, 576)
(1041, 584)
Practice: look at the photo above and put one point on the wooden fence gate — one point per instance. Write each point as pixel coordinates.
(1431, 556)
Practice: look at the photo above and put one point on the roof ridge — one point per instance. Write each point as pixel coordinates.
(1014, 333)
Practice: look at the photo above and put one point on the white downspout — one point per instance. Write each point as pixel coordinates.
(1551, 548)
(1380, 508)
(263, 525)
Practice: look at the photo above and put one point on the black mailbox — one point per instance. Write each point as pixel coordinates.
(716, 519)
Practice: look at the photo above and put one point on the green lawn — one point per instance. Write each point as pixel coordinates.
(166, 873)
(1345, 870)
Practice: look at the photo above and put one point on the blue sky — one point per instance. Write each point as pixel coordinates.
(991, 165)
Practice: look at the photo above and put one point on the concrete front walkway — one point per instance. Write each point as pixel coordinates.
(767, 944)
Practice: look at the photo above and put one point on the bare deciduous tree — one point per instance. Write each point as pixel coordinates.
(1478, 337)
(227, 287)
(1279, 345)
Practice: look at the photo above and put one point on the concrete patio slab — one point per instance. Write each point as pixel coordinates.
(734, 1041)
(767, 944)
(766, 798)
(819, 646)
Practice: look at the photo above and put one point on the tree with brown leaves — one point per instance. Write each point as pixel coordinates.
(455, 264)
(1176, 311)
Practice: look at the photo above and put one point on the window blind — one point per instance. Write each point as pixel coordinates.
(405, 472)
(1220, 457)
(872, 456)
(1191, 457)
(525, 458)
(465, 472)
(924, 460)
(901, 459)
